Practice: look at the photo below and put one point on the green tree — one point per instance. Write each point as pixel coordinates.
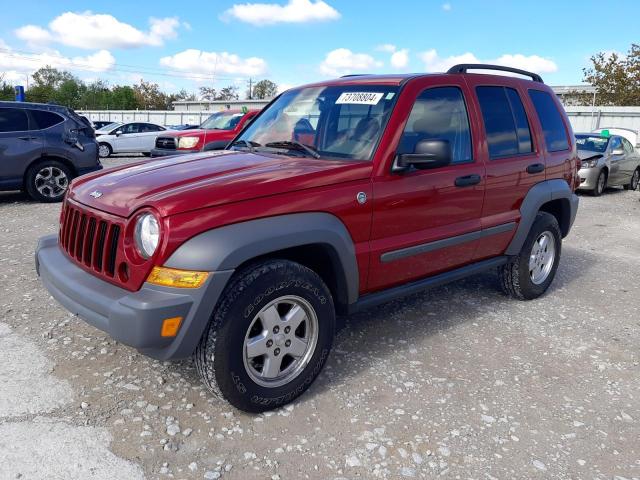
(6, 90)
(149, 96)
(264, 89)
(124, 97)
(228, 93)
(616, 77)
(47, 81)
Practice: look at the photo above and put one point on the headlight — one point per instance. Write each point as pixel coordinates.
(589, 163)
(147, 234)
(188, 142)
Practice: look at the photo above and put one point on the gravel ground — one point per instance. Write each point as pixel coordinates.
(458, 382)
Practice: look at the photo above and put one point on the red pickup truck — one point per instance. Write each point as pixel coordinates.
(214, 134)
(338, 196)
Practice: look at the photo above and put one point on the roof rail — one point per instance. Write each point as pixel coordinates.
(355, 75)
(463, 67)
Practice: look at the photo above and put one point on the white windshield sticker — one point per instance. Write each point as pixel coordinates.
(359, 98)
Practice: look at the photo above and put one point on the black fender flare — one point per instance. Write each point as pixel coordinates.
(226, 248)
(537, 196)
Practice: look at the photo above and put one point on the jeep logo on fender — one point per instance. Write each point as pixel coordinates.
(96, 194)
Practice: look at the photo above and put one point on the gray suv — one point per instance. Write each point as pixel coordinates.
(43, 147)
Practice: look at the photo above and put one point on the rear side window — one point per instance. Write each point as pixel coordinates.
(45, 119)
(439, 113)
(505, 121)
(555, 134)
(13, 120)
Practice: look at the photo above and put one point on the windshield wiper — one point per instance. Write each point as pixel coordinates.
(294, 145)
(250, 145)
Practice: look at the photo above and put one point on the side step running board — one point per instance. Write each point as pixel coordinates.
(373, 299)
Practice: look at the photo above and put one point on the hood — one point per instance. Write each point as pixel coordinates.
(179, 184)
(588, 155)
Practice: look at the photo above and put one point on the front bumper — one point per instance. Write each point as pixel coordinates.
(163, 152)
(588, 178)
(132, 318)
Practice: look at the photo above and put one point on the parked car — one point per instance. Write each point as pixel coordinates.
(99, 124)
(42, 148)
(339, 196)
(214, 133)
(607, 160)
(132, 137)
(185, 126)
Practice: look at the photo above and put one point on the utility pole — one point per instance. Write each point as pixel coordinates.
(250, 88)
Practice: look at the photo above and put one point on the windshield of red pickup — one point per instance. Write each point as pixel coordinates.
(222, 121)
(338, 121)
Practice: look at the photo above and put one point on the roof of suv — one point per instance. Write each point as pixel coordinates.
(39, 106)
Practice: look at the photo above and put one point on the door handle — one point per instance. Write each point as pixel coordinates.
(27, 138)
(535, 168)
(468, 180)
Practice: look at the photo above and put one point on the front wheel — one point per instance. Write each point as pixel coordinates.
(269, 336)
(601, 184)
(47, 181)
(635, 179)
(528, 275)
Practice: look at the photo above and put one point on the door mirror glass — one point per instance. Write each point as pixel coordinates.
(432, 153)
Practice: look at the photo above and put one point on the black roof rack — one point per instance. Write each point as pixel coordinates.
(355, 75)
(463, 67)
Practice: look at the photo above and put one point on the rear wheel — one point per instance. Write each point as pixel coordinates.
(601, 184)
(47, 181)
(269, 336)
(635, 179)
(104, 150)
(529, 274)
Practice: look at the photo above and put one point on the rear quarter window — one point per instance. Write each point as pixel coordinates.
(553, 128)
(44, 119)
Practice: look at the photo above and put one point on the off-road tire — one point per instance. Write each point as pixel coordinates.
(515, 278)
(219, 358)
(30, 180)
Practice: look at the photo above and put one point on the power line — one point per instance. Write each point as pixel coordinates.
(120, 68)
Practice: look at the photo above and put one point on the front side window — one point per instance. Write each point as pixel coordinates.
(553, 129)
(628, 148)
(439, 114)
(13, 120)
(615, 144)
(222, 121)
(129, 128)
(505, 121)
(337, 121)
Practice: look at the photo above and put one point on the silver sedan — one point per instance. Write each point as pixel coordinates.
(607, 160)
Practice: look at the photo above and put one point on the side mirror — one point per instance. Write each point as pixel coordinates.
(617, 151)
(118, 133)
(427, 154)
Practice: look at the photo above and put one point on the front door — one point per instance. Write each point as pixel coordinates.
(425, 221)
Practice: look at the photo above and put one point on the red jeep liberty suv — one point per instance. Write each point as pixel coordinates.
(339, 196)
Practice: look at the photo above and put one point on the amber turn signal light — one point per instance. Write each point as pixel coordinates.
(170, 326)
(171, 277)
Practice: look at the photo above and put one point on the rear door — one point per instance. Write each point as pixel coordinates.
(146, 137)
(18, 146)
(617, 157)
(514, 161)
(632, 160)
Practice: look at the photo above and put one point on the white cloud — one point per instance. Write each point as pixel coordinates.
(400, 59)
(342, 61)
(18, 64)
(212, 63)
(386, 47)
(283, 87)
(295, 11)
(446, 7)
(534, 63)
(92, 31)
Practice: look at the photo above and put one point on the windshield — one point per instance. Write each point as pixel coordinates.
(337, 121)
(592, 143)
(222, 121)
